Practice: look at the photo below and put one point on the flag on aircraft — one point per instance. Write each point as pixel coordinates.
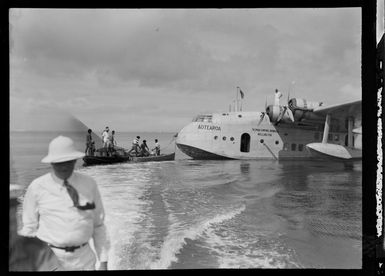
(242, 94)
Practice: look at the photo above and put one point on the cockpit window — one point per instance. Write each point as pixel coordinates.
(203, 118)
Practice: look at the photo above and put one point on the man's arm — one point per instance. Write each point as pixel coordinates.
(100, 236)
(30, 213)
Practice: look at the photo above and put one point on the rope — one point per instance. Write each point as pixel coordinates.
(173, 138)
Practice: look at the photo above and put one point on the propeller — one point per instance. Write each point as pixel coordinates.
(288, 110)
(282, 113)
(263, 114)
(285, 110)
(288, 97)
(280, 116)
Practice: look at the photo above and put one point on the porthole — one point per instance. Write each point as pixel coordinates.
(239, 115)
(224, 138)
(231, 138)
(276, 142)
(215, 137)
(261, 141)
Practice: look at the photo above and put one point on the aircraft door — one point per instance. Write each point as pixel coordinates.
(245, 142)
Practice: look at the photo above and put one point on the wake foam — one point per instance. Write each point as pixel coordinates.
(250, 250)
(122, 193)
(177, 236)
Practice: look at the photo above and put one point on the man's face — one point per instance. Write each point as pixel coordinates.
(64, 170)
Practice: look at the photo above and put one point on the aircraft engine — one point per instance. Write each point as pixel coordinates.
(302, 104)
(303, 109)
(279, 113)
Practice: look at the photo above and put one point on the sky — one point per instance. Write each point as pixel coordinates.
(380, 26)
(155, 69)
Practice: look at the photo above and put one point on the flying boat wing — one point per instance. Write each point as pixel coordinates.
(340, 110)
(351, 150)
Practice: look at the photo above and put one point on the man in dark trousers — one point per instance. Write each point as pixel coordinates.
(144, 150)
(90, 144)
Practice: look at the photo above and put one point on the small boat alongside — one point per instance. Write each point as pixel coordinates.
(104, 160)
(122, 156)
(154, 158)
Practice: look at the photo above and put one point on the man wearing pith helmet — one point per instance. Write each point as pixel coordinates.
(64, 209)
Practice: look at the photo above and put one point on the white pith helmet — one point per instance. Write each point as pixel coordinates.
(62, 149)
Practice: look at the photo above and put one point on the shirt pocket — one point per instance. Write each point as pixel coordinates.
(89, 213)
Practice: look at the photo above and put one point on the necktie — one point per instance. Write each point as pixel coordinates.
(72, 192)
(75, 197)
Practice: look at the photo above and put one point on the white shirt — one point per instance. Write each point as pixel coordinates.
(157, 146)
(106, 136)
(278, 95)
(50, 215)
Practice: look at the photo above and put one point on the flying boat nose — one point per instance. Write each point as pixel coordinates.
(181, 136)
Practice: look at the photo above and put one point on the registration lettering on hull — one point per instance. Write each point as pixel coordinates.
(209, 127)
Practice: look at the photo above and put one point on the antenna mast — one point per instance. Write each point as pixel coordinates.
(237, 99)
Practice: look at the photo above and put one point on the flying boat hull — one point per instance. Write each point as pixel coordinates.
(301, 130)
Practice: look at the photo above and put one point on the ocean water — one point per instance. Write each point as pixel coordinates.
(187, 214)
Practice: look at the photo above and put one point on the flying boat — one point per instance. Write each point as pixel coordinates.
(297, 130)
